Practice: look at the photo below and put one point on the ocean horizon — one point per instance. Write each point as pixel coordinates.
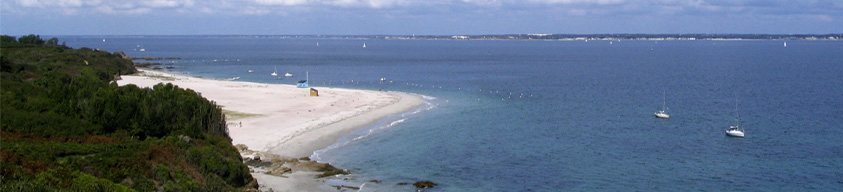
(557, 115)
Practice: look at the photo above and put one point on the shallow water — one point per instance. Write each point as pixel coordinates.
(561, 115)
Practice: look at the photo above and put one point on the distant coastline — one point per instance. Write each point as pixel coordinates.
(529, 36)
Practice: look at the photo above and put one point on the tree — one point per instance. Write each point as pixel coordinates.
(7, 39)
(53, 41)
(31, 39)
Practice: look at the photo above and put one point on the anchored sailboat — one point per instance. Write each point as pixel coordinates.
(275, 73)
(735, 130)
(663, 113)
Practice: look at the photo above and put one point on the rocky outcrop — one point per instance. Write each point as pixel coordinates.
(424, 184)
(278, 170)
(326, 168)
(278, 166)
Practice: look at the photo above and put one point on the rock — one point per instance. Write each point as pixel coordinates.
(402, 183)
(424, 184)
(326, 169)
(341, 187)
(256, 162)
(283, 161)
(241, 147)
(278, 170)
(184, 138)
(305, 158)
(375, 181)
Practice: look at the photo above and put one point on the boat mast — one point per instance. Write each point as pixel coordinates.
(664, 101)
(738, 120)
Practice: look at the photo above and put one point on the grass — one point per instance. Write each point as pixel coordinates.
(238, 115)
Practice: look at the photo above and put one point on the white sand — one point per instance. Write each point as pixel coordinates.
(286, 121)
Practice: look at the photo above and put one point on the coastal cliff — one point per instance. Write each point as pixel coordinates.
(67, 126)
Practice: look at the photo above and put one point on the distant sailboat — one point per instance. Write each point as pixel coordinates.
(785, 44)
(288, 74)
(317, 44)
(364, 45)
(250, 71)
(275, 73)
(735, 130)
(663, 113)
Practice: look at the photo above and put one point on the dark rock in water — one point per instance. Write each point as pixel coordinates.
(341, 187)
(424, 184)
(375, 181)
(403, 183)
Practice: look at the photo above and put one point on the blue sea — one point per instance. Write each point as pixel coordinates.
(558, 115)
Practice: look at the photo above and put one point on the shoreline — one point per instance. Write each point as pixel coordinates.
(282, 121)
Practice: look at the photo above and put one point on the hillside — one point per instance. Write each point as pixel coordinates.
(67, 127)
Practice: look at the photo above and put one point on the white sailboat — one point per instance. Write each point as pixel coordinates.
(364, 45)
(275, 73)
(288, 74)
(663, 113)
(785, 44)
(735, 130)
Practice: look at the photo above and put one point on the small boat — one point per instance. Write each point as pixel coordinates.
(785, 44)
(275, 73)
(383, 79)
(142, 49)
(233, 78)
(251, 71)
(663, 113)
(735, 130)
(364, 45)
(288, 74)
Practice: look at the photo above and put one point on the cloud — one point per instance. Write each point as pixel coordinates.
(73, 7)
(598, 2)
(283, 2)
(829, 9)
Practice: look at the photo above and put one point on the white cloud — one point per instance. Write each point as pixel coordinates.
(599, 2)
(168, 3)
(369, 3)
(283, 2)
(418, 7)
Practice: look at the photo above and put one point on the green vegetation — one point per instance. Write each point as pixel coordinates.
(67, 127)
(238, 115)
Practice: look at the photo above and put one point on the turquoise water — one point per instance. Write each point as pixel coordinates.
(560, 115)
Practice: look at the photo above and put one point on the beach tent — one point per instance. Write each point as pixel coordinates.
(302, 84)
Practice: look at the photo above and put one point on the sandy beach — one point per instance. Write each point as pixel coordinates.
(285, 120)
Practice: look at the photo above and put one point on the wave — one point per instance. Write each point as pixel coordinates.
(383, 124)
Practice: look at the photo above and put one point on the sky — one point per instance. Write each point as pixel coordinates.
(418, 17)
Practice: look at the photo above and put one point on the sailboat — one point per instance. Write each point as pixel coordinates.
(735, 130)
(364, 45)
(288, 74)
(785, 44)
(275, 73)
(663, 113)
